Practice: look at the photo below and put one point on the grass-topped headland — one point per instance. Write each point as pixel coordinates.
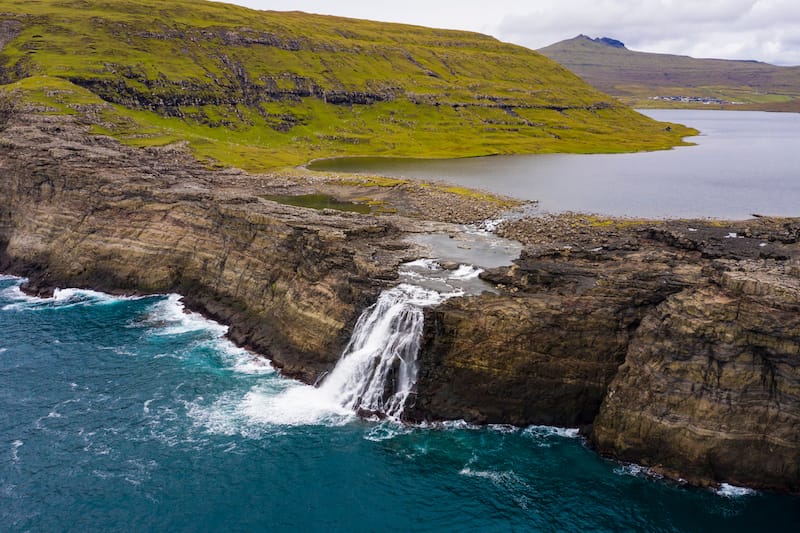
(261, 89)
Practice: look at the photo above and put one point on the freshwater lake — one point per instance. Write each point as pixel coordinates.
(743, 163)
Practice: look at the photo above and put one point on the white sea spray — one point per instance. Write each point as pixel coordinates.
(731, 491)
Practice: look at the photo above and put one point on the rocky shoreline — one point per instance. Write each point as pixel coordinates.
(674, 344)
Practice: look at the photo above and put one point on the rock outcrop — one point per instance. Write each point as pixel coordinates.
(672, 344)
(544, 353)
(710, 388)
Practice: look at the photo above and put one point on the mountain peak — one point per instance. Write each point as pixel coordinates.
(642, 78)
(608, 41)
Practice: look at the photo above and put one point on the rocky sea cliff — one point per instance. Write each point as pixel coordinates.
(673, 344)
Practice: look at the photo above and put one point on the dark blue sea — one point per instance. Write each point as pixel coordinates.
(131, 415)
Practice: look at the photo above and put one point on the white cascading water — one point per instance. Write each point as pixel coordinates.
(378, 369)
(377, 372)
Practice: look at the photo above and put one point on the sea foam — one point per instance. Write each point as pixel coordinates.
(506, 480)
(551, 431)
(268, 408)
(297, 405)
(240, 360)
(634, 470)
(169, 317)
(732, 491)
(387, 430)
(15, 451)
(61, 299)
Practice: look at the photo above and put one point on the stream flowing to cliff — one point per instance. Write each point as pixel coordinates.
(131, 413)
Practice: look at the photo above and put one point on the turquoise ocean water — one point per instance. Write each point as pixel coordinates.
(130, 414)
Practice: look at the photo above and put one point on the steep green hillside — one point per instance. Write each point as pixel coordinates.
(262, 89)
(659, 80)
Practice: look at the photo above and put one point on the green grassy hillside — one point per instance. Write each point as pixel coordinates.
(637, 77)
(259, 89)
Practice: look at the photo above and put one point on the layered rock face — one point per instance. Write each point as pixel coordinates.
(85, 211)
(675, 344)
(710, 388)
(544, 353)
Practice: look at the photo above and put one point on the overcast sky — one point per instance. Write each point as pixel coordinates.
(766, 30)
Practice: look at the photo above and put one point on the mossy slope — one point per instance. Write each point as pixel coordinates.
(260, 89)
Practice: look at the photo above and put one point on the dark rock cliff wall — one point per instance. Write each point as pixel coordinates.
(87, 212)
(710, 388)
(676, 346)
(543, 354)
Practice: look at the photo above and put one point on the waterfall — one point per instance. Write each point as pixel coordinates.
(378, 369)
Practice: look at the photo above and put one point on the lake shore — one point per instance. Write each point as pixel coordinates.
(743, 163)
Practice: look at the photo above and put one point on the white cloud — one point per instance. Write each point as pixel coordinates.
(767, 30)
(736, 29)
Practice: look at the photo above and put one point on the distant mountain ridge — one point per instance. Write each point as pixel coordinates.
(610, 42)
(647, 79)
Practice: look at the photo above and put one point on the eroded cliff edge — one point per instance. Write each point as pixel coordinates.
(672, 344)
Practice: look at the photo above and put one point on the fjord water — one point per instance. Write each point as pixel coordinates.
(743, 163)
(130, 414)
